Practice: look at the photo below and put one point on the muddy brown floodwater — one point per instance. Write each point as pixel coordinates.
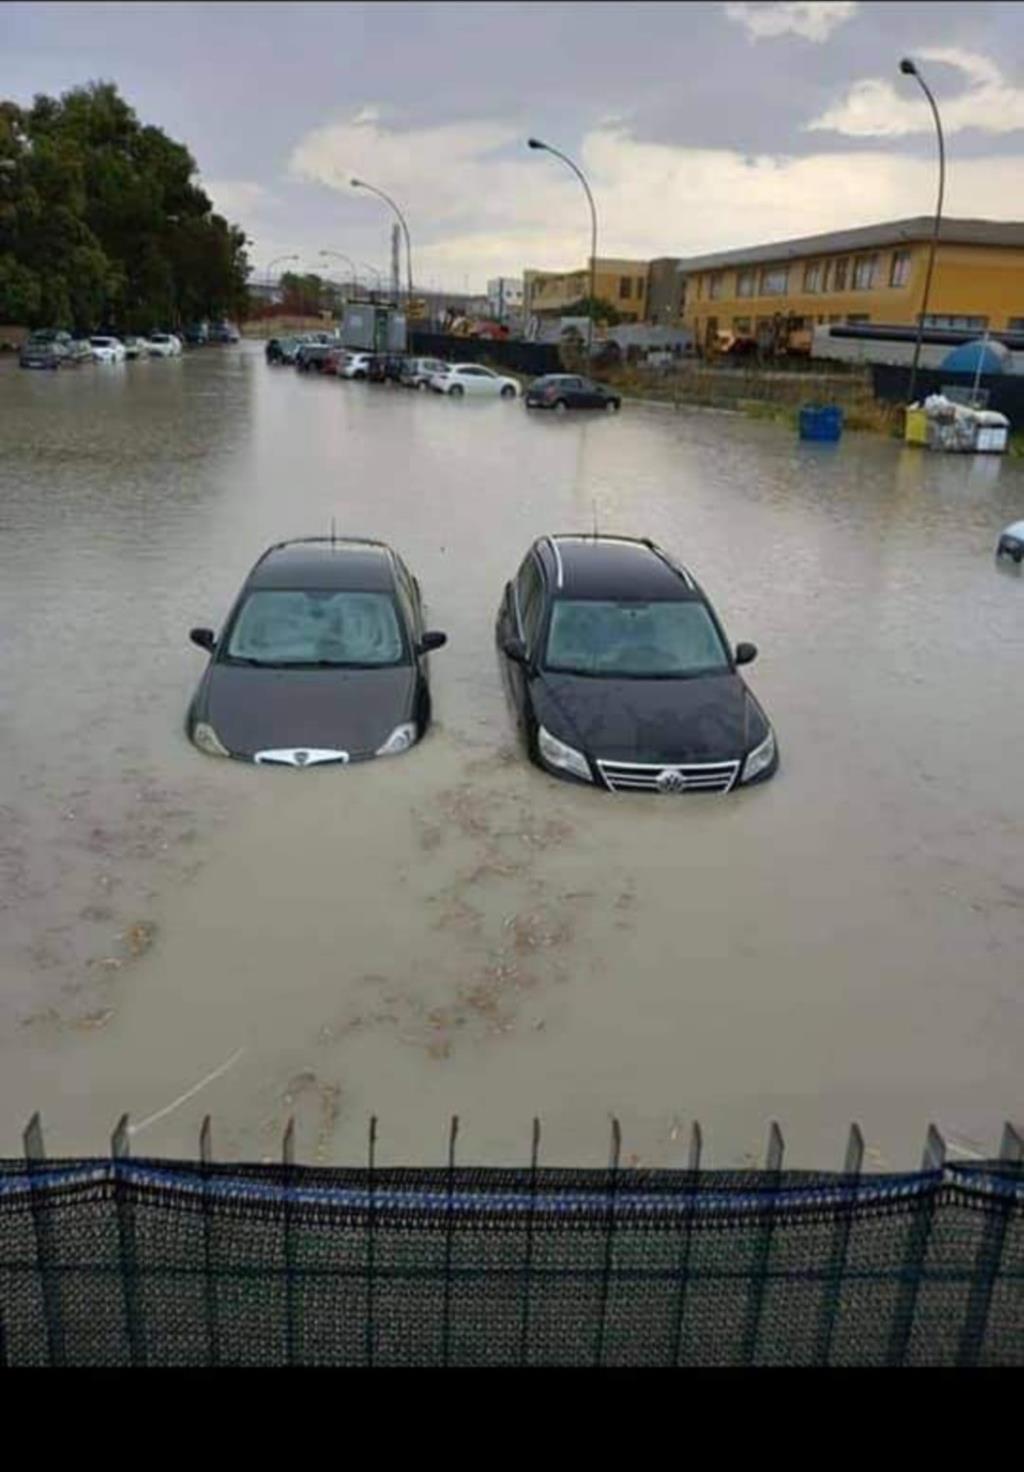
(451, 931)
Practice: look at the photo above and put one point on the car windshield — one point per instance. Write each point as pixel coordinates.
(282, 626)
(627, 638)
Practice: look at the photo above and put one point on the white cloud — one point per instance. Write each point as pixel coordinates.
(479, 203)
(234, 198)
(876, 107)
(814, 20)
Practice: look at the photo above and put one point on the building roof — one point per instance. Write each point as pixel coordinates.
(581, 566)
(864, 237)
(348, 563)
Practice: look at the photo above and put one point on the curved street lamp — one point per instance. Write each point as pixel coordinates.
(276, 261)
(536, 143)
(361, 184)
(339, 256)
(909, 69)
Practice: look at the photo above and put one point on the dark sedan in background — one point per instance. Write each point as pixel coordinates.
(563, 391)
(322, 659)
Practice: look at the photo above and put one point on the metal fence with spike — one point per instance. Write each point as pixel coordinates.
(124, 1260)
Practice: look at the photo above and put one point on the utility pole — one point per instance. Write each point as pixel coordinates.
(396, 246)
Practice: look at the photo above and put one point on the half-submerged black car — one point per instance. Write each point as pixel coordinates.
(619, 672)
(323, 658)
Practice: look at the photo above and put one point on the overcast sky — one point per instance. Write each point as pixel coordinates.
(700, 126)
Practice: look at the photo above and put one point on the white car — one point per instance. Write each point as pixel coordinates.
(163, 345)
(470, 378)
(107, 349)
(356, 365)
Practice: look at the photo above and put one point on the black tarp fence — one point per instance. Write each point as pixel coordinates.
(129, 1261)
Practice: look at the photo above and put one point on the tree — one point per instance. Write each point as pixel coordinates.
(103, 223)
(604, 312)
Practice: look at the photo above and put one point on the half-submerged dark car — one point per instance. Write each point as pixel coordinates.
(323, 658)
(619, 672)
(562, 391)
(47, 348)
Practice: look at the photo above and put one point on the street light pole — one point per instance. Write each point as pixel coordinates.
(909, 69)
(276, 261)
(361, 184)
(536, 143)
(338, 255)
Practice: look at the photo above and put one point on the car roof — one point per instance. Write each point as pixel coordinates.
(581, 566)
(323, 562)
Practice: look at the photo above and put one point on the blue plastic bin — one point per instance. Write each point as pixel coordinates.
(821, 422)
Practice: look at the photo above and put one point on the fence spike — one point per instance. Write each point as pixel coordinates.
(934, 1157)
(288, 1142)
(205, 1146)
(1012, 1145)
(776, 1145)
(616, 1149)
(535, 1144)
(453, 1135)
(119, 1140)
(854, 1151)
(33, 1139)
(696, 1146)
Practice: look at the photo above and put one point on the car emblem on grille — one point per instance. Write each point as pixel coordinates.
(301, 758)
(672, 782)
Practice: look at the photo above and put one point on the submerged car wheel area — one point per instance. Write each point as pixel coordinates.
(619, 673)
(322, 659)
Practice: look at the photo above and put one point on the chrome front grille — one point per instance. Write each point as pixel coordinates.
(671, 778)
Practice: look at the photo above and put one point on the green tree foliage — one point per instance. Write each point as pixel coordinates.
(603, 311)
(307, 295)
(102, 222)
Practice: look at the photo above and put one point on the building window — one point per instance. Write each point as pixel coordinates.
(625, 287)
(854, 317)
(715, 285)
(1015, 324)
(741, 326)
(639, 288)
(839, 276)
(775, 281)
(834, 317)
(826, 275)
(812, 276)
(900, 273)
(864, 272)
(960, 324)
(746, 283)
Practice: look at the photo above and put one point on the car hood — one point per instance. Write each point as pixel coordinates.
(266, 709)
(708, 718)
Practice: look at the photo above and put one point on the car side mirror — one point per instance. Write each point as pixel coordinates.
(515, 650)
(432, 639)
(746, 653)
(205, 638)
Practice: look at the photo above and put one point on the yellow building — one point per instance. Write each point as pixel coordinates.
(621, 283)
(871, 274)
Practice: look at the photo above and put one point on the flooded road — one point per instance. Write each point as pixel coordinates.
(452, 931)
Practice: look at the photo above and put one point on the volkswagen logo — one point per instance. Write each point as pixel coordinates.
(671, 782)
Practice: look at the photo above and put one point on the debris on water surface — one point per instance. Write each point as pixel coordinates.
(140, 936)
(96, 1019)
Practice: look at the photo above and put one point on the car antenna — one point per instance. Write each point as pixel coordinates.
(332, 531)
(593, 502)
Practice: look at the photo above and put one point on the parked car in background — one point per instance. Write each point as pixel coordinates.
(225, 332)
(619, 673)
(417, 372)
(47, 348)
(107, 349)
(135, 347)
(333, 361)
(562, 391)
(1011, 541)
(197, 334)
(310, 356)
(356, 365)
(163, 345)
(472, 378)
(322, 659)
(80, 350)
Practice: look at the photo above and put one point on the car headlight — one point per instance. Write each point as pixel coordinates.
(401, 738)
(762, 756)
(206, 738)
(557, 754)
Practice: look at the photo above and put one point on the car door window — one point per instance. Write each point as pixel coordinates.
(407, 596)
(529, 600)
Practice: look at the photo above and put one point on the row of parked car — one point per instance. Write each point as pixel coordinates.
(321, 353)
(51, 348)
